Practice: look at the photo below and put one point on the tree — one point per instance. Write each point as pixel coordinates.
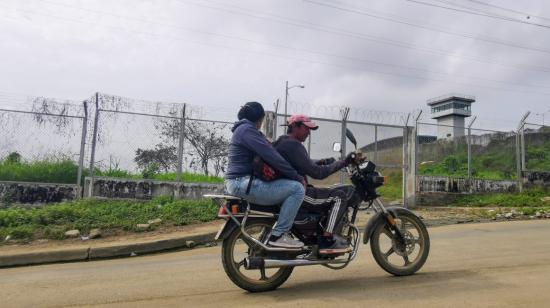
(209, 144)
(207, 140)
(13, 158)
(161, 156)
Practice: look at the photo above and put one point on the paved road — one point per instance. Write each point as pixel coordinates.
(474, 265)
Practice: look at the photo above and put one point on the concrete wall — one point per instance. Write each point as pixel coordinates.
(146, 189)
(442, 184)
(536, 178)
(439, 190)
(26, 192)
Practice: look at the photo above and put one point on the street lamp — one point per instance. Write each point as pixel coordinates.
(286, 95)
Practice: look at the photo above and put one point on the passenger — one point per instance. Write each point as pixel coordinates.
(246, 142)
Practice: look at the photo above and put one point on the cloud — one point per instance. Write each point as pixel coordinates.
(214, 53)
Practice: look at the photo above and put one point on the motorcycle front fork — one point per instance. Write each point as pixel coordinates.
(378, 206)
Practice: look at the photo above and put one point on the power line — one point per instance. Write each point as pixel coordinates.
(508, 9)
(315, 52)
(286, 57)
(342, 32)
(480, 14)
(449, 32)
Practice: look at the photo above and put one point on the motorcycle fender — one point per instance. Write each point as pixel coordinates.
(226, 229)
(371, 224)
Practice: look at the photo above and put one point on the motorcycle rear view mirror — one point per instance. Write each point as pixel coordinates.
(337, 147)
(351, 137)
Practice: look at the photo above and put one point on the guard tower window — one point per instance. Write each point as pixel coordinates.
(448, 106)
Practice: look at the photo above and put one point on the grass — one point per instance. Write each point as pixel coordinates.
(531, 198)
(170, 176)
(496, 161)
(393, 189)
(52, 221)
(48, 170)
(65, 171)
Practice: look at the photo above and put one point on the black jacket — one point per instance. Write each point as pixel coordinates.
(296, 154)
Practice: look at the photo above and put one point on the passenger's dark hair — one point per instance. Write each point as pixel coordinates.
(252, 111)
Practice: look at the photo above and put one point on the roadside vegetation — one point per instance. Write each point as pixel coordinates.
(495, 161)
(393, 188)
(111, 216)
(535, 197)
(62, 170)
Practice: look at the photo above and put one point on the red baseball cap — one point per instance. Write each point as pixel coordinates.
(300, 118)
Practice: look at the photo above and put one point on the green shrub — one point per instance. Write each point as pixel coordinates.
(51, 221)
(22, 232)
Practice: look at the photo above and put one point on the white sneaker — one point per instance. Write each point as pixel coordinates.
(286, 241)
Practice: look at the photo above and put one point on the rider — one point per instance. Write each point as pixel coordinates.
(246, 142)
(291, 148)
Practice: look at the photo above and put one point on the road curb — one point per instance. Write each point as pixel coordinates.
(94, 253)
(68, 255)
(150, 247)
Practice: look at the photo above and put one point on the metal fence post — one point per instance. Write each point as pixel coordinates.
(375, 144)
(345, 113)
(405, 168)
(522, 146)
(180, 144)
(94, 142)
(520, 150)
(82, 149)
(275, 120)
(416, 146)
(470, 148)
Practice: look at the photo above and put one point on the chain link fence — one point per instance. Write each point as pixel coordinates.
(536, 147)
(42, 140)
(472, 153)
(109, 135)
(154, 140)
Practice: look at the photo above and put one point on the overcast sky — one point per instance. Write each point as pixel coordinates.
(389, 55)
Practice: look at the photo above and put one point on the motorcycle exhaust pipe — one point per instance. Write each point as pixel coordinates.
(257, 263)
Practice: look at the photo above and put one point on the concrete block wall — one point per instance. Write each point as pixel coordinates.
(442, 184)
(36, 193)
(536, 178)
(106, 187)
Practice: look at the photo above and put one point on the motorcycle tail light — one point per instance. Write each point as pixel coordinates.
(222, 212)
(385, 179)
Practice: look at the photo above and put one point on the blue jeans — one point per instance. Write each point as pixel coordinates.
(288, 192)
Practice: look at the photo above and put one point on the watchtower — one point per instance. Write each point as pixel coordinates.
(450, 111)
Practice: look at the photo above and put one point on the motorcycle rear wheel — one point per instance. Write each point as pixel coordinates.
(235, 249)
(397, 259)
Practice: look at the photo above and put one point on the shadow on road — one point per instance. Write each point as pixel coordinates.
(425, 284)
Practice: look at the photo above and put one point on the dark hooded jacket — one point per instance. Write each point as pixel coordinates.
(248, 141)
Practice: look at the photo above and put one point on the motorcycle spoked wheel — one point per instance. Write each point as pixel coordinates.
(235, 249)
(396, 259)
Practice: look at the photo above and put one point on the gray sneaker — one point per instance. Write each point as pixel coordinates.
(286, 241)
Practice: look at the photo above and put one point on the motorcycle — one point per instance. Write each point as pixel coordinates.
(399, 240)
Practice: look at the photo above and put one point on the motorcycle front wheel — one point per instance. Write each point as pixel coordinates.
(396, 258)
(234, 251)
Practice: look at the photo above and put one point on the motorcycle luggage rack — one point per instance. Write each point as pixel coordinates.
(247, 213)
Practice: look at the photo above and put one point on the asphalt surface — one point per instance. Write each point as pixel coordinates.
(475, 265)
